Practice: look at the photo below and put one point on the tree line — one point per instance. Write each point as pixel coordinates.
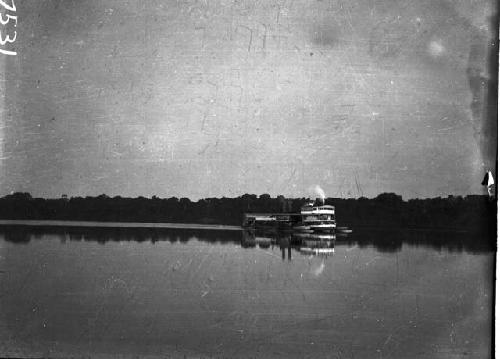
(472, 212)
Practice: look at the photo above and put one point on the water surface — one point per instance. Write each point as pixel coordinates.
(83, 292)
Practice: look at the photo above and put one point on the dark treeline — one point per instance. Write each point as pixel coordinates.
(468, 213)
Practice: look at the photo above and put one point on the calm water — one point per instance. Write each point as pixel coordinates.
(176, 293)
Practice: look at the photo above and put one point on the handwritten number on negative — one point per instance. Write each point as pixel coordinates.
(8, 7)
(5, 22)
(7, 38)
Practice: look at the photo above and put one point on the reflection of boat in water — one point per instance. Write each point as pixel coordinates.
(315, 236)
(344, 230)
(304, 243)
(312, 218)
(302, 228)
(248, 240)
(317, 244)
(317, 251)
(263, 239)
(263, 242)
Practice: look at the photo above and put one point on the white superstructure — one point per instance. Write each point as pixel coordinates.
(318, 218)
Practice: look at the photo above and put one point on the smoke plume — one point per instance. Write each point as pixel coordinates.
(318, 191)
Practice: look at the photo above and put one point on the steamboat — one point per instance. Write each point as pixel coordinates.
(313, 218)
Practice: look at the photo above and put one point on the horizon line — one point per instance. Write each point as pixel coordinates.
(152, 197)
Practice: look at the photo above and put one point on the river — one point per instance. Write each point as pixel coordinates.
(98, 292)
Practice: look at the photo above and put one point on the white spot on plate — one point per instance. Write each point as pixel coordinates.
(436, 49)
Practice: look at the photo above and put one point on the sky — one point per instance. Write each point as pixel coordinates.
(219, 98)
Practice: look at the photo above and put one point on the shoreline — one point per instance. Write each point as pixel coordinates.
(97, 224)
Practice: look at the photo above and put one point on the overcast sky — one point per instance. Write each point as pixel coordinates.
(220, 98)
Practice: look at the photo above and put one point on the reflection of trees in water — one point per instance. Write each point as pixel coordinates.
(383, 240)
(21, 234)
(17, 234)
(393, 240)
